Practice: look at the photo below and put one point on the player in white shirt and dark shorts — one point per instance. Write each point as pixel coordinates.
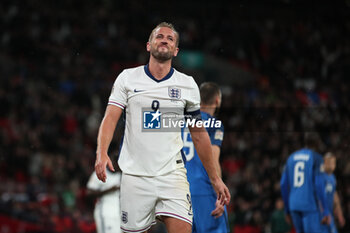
(154, 182)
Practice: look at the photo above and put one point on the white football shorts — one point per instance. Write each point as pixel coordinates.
(145, 198)
(107, 224)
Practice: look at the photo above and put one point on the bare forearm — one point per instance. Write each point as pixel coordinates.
(104, 138)
(105, 134)
(216, 155)
(203, 147)
(106, 131)
(337, 207)
(338, 211)
(218, 169)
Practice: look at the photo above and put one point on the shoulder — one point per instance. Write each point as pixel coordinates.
(333, 177)
(185, 78)
(130, 72)
(205, 116)
(181, 74)
(291, 156)
(215, 123)
(317, 157)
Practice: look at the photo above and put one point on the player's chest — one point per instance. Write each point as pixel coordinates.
(330, 185)
(169, 96)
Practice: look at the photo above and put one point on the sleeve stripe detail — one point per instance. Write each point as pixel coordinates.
(115, 103)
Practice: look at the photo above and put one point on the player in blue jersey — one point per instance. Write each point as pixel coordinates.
(302, 188)
(209, 215)
(331, 193)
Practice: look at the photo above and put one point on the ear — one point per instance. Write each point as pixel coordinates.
(148, 47)
(218, 100)
(176, 52)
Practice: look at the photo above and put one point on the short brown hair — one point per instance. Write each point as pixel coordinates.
(209, 91)
(167, 25)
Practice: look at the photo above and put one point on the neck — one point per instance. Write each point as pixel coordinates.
(159, 69)
(328, 172)
(208, 109)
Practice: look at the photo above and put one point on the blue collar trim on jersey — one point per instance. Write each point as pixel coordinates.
(163, 79)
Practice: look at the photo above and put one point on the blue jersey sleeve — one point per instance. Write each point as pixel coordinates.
(216, 135)
(320, 183)
(284, 183)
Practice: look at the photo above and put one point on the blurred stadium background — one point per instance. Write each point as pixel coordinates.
(283, 66)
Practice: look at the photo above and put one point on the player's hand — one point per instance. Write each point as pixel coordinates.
(326, 220)
(222, 192)
(219, 209)
(102, 160)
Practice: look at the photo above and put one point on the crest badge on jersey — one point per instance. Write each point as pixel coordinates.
(174, 92)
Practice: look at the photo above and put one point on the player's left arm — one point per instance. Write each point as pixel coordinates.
(319, 183)
(284, 185)
(216, 155)
(201, 142)
(337, 209)
(219, 209)
(217, 136)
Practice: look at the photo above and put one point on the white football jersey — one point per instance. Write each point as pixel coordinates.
(107, 205)
(154, 152)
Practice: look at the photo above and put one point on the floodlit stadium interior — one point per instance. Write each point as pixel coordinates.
(282, 65)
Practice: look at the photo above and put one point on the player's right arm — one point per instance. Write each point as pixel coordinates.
(320, 188)
(337, 210)
(104, 138)
(321, 196)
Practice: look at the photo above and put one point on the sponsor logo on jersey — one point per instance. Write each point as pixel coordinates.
(124, 216)
(152, 120)
(219, 135)
(174, 92)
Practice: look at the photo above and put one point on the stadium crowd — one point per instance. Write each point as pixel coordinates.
(58, 63)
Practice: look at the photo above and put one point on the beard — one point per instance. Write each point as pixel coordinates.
(161, 56)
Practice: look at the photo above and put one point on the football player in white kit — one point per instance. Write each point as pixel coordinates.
(154, 182)
(107, 206)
